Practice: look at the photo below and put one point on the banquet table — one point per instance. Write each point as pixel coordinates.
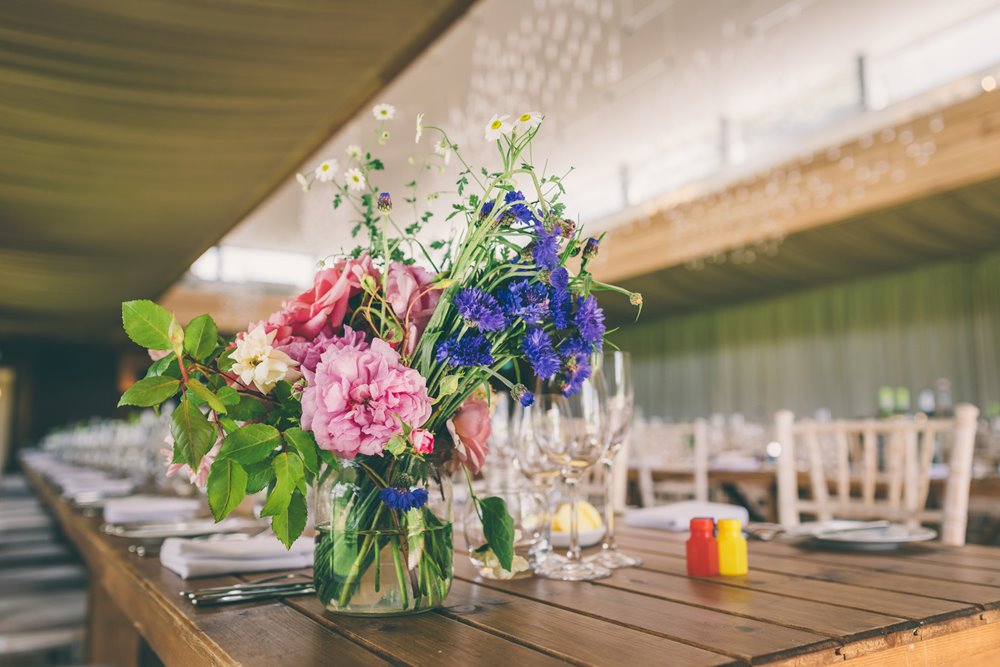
(931, 605)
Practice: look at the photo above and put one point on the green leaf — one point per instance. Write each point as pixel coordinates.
(247, 410)
(289, 523)
(201, 337)
(288, 474)
(305, 444)
(227, 483)
(193, 435)
(396, 445)
(250, 444)
(498, 527)
(165, 366)
(206, 395)
(228, 396)
(225, 362)
(259, 475)
(150, 391)
(148, 324)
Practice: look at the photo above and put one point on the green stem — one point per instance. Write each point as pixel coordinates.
(397, 561)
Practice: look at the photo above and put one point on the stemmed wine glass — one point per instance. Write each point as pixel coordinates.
(543, 474)
(572, 431)
(617, 369)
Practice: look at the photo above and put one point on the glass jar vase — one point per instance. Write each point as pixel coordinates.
(372, 559)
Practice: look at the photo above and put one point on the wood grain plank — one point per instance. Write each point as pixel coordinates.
(797, 563)
(423, 639)
(714, 631)
(973, 647)
(574, 637)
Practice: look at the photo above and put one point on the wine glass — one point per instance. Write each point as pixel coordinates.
(531, 462)
(617, 369)
(572, 431)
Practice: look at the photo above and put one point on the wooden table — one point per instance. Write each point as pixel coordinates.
(928, 606)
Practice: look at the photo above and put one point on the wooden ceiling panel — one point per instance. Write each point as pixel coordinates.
(136, 133)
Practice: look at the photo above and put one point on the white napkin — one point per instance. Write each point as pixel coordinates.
(677, 516)
(232, 554)
(140, 509)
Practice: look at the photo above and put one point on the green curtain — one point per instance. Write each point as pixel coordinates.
(827, 347)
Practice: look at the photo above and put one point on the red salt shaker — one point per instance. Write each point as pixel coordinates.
(702, 549)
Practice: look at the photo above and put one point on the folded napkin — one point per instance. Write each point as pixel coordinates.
(677, 516)
(140, 509)
(233, 554)
(98, 489)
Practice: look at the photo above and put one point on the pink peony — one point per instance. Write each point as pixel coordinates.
(423, 441)
(323, 307)
(358, 398)
(407, 289)
(312, 351)
(470, 428)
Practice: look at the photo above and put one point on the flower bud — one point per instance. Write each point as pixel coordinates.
(591, 248)
(384, 202)
(383, 137)
(567, 228)
(521, 394)
(635, 298)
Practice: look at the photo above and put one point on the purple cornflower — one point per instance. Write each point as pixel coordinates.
(384, 202)
(485, 211)
(545, 248)
(470, 350)
(559, 297)
(521, 394)
(517, 209)
(576, 365)
(529, 301)
(537, 348)
(590, 250)
(480, 309)
(589, 321)
(402, 500)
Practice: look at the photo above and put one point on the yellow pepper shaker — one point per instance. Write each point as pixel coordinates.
(732, 548)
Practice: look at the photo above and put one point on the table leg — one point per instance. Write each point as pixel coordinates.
(111, 639)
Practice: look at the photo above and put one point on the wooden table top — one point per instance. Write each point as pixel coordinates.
(794, 608)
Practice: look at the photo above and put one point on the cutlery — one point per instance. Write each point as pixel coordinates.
(281, 592)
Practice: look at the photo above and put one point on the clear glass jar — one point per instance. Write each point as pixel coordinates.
(372, 560)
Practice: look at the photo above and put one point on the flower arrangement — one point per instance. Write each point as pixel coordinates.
(380, 374)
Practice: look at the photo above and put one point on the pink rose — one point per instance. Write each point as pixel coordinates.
(470, 428)
(323, 307)
(408, 291)
(358, 397)
(199, 478)
(423, 441)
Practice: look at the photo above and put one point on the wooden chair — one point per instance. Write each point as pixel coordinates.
(887, 461)
(671, 447)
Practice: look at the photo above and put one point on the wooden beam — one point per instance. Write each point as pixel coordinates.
(232, 307)
(822, 189)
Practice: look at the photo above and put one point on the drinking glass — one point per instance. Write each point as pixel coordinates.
(572, 431)
(531, 462)
(617, 370)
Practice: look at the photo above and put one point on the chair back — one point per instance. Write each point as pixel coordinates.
(868, 469)
(672, 448)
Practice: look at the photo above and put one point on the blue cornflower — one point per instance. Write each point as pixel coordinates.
(521, 394)
(576, 365)
(384, 202)
(485, 211)
(591, 248)
(527, 300)
(480, 309)
(545, 248)
(402, 500)
(537, 348)
(589, 321)
(559, 297)
(470, 350)
(517, 210)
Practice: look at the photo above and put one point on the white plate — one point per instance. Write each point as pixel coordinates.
(588, 538)
(880, 538)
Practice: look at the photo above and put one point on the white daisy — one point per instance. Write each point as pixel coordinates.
(303, 181)
(354, 152)
(326, 170)
(497, 127)
(384, 111)
(355, 179)
(420, 128)
(528, 121)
